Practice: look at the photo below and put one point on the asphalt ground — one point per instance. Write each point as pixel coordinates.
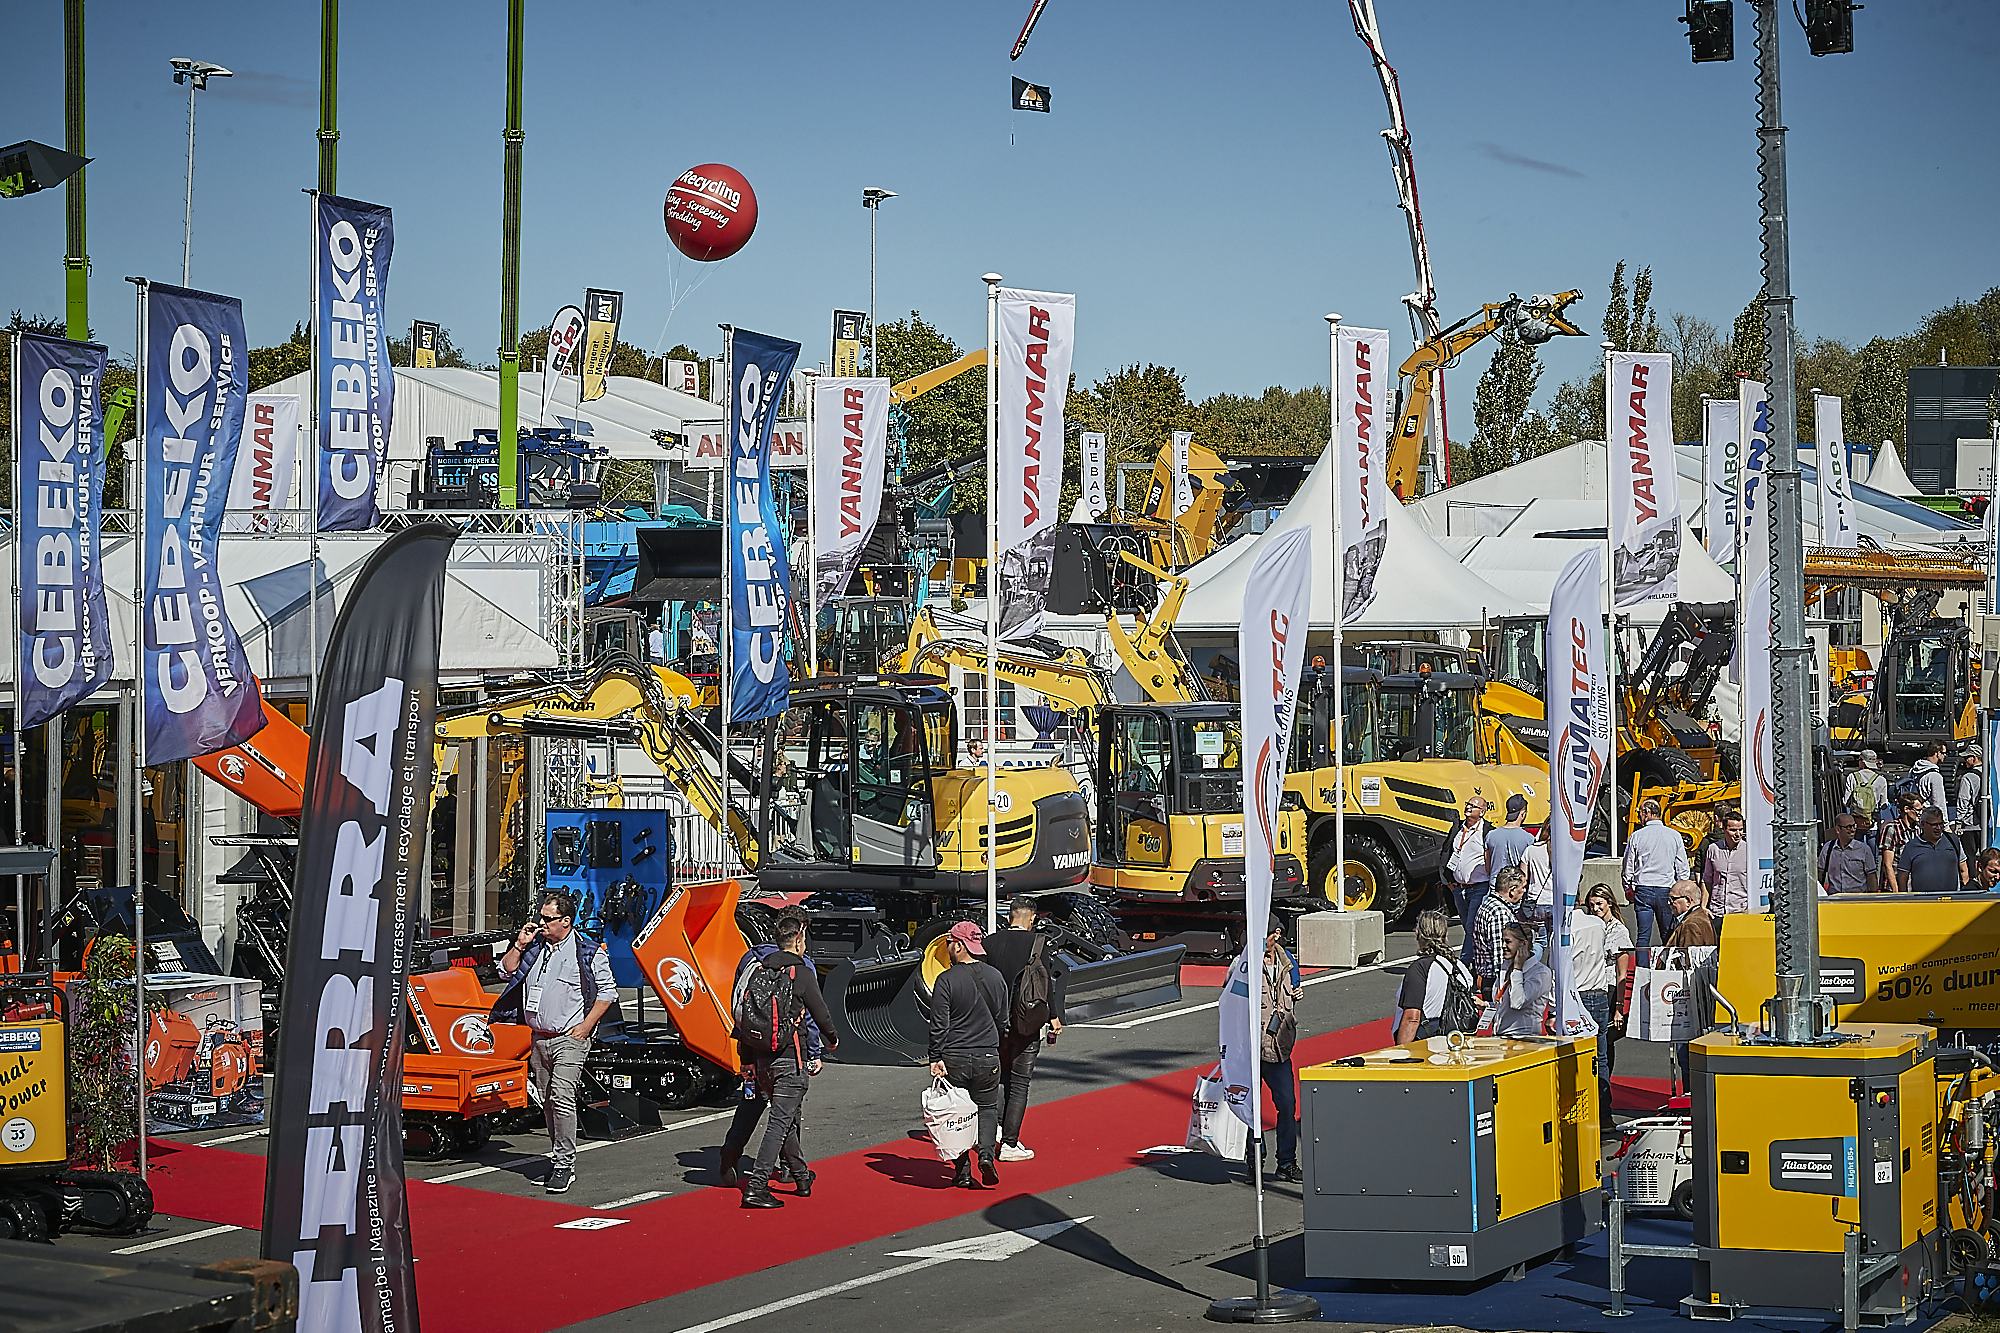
(1096, 1233)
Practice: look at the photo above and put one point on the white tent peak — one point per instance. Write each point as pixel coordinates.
(1887, 474)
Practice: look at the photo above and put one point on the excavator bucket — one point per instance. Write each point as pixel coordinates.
(1122, 983)
(874, 990)
(268, 770)
(689, 952)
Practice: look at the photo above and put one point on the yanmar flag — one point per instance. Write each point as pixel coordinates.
(1271, 645)
(265, 462)
(353, 243)
(1760, 793)
(601, 310)
(1645, 482)
(851, 436)
(1579, 747)
(1362, 378)
(334, 1198)
(1037, 339)
(199, 694)
(1753, 417)
(760, 576)
(1836, 492)
(1722, 494)
(64, 652)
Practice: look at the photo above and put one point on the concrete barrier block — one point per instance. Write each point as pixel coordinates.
(1341, 939)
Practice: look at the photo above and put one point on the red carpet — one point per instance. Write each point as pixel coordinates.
(468, 1240)
(1210, 976)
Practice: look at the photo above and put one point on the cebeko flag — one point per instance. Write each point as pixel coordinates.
(1722, 495)
(760, 574)
(1760, 795)
(1271, 645)
(1579, 748)
(353, 243)
(1645, 483)
(1037, 337)
(266, 459)
(851, 437)
(1362, 375)
(1836, 494)
(335, 1204)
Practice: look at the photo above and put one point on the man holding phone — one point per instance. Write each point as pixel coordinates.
(559, 983)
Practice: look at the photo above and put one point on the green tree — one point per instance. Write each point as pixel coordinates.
(948, 424)
(1506, 429)
(448, 354)
(291, 357)
(1879, 408)
(1749, 351)
(1282, 422)
(1618, 309)
(1700, 370)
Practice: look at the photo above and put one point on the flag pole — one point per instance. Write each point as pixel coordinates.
(1610, 606)
(812, 523)
(725, 625)
(1339, 666)
(314, 454)
(138, 737)
(14, 618)
(992, 281)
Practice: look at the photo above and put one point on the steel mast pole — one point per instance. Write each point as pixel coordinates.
(76, 260)
(510, 264)
(992, 281)
(329, 97)
(1338, 564)
(187, 212)
(1794, 900)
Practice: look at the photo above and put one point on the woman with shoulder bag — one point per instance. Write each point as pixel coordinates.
(1438, 993)
(1280, 1026)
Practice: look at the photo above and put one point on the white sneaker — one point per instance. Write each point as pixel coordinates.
(1016, 1152)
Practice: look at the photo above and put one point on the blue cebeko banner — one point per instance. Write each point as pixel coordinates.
(65, 642)
(352, 242)
(760, 577)
(200, 696)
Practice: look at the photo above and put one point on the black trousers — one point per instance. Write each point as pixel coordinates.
(1278, 1077)
(787, 1097)
(743, 1125)
(1017, 1072)
(979, 1074)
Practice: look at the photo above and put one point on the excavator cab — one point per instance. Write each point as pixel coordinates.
(850, 782)
(1431, 716)
(1925, 689)
(860, 634)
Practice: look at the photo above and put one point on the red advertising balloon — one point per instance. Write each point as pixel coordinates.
(711, 211)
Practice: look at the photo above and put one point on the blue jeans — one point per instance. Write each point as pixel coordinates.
(1278, 1076)
(1597, 1003)
(1466, 898)
(1649, 904)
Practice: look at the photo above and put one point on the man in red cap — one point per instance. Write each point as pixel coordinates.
(968, 1014)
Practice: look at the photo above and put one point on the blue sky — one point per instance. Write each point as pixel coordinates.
(1211, 181)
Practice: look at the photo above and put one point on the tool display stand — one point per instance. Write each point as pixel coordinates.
(1508, 1171)
(1340, 939)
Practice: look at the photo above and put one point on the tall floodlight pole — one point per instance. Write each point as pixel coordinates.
(1794, 899)
(195, 74)
(871, 199)
(76, 260)
(329, 94)
(510, 264)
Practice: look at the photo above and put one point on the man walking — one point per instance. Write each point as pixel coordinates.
(968, 1014)
(559, 983)
(1867, 790)
(1465, 866)
(1928, 776)
(1932, 862)
(1489, 938)
(1845, 864)
(770, 1010)
(750, 1107)
(1655, 857)
(1020, 953)
(1725, 867)
(1892, 836)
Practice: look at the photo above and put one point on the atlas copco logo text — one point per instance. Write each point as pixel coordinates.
(1364, 427)
(1037, 383)
(850, 461)
(1639, 446)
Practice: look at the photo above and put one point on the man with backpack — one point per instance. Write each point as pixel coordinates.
(1867, 790)
(769, 1010)
(750, 1107)
(969, 1011)
(559, 984)
(1020, 953)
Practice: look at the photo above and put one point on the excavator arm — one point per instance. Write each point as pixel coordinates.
(1533, 320)
(623, 698)
(1146, 650)
(918, 385)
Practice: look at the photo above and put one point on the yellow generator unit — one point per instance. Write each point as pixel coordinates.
(1816, 1173)
(1507, 1170)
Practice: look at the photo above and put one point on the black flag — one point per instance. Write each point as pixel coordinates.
(1030, 96)
(334, 1198)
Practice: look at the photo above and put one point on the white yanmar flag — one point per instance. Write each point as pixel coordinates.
(1579, 691)
(1271, 644)
(266, 462)
(1836, 491)
(1363, 379)
(1645, 484)
(1037, 337)
(1722, 495)
(851, 441)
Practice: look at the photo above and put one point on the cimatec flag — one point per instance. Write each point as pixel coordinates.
(64, 652)
(1645, 481)
(1037, 338)
(357, 386)
(601, 312)
(1271, 645)
(1836, 492)
(760, 576)
(1579, 690)
(199, 694)
(851, 436)
(1362, 380)
(335, 1204)
(1723, 496)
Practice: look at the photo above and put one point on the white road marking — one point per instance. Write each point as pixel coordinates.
(1141, 1021)
(626, 1203)
(990, 1248)
(257, 1133)
(592, 1223)
(177, 1240)
(588, 1145)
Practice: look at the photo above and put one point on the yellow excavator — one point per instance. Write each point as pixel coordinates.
(1532, 320)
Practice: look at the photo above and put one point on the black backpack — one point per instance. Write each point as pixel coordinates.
(767, 1010)
(1031, 1004)
(1461, 1007)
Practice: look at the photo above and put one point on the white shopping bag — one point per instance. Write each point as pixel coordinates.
(951, 1118)
(1670, 994)
(1213, 1125)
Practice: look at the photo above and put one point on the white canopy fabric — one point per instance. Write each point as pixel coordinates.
(1525, 552)
(1420, 586)
(1887, 474)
